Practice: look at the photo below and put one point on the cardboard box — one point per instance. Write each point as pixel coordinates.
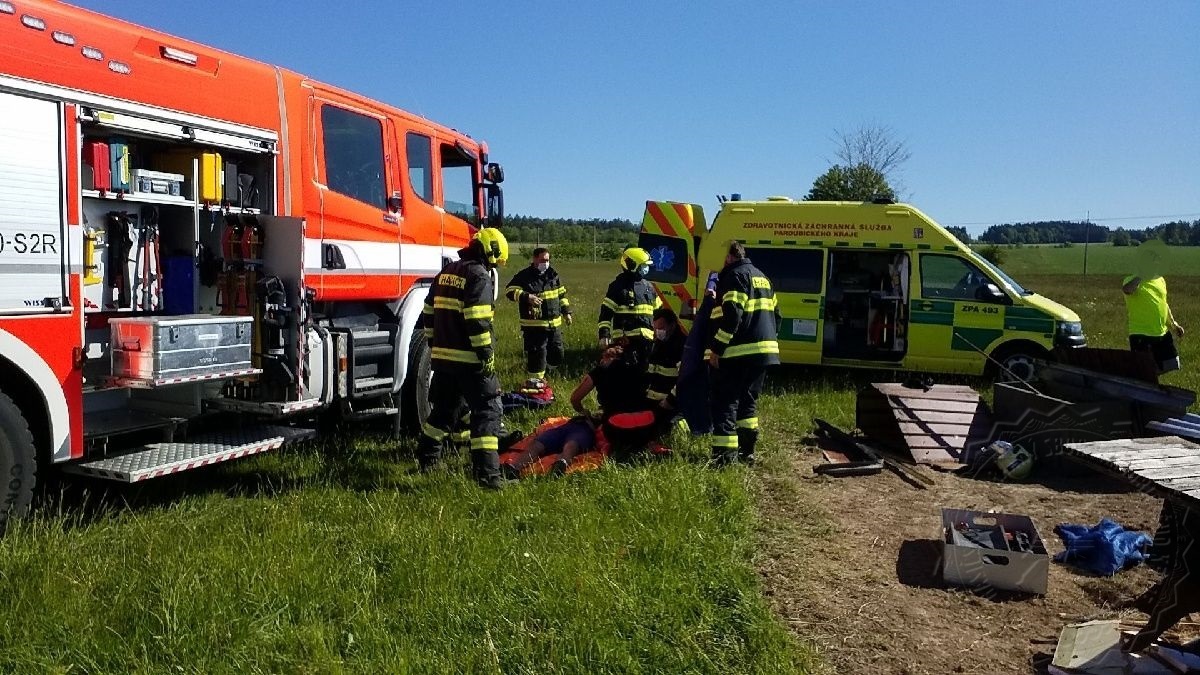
(994, 567)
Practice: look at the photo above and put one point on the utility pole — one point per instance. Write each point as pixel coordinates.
(1087, 236)
(593, 241)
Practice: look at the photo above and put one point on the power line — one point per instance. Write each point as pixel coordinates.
(1092, 220)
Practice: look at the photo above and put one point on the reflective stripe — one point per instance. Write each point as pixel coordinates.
(489, 443)
(717, 313)
(551, 294)
(636, 309)
(542, 323)
(736, 297)
(656, 369)
(428, 333)
(456, 355)
(606, 324)
(724, 336)
(481, 340)
(448, 303)
(634, 332)
(609, 303)
(655, 395)
(514, 292)
(724, 441)
(761, 304)
(565, 302)
(433, 432)
(538, 375)
(764, 347)
(479, 312)
(427, 309)
(748, 423)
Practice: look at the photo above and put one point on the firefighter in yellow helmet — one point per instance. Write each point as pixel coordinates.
(627, 311)
(457, 321)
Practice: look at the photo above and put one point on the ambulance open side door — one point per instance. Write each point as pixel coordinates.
(797, 275)
(671, 234)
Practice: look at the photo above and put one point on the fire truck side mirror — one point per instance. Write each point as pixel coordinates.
(494, 172)
(495, 205)
(395, 202)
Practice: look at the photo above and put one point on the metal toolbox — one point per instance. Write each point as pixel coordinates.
(169, 347)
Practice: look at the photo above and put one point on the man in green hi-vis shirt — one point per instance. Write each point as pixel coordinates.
(1150, 319)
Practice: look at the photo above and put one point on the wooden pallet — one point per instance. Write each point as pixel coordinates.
(944, 424)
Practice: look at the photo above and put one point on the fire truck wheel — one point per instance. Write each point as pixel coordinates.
(18, 462)
(415, 392)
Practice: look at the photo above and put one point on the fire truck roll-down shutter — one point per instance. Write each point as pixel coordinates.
(32, 237)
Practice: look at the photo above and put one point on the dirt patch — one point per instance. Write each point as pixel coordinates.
(851, 564)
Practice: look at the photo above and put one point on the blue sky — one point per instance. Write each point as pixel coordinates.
(1012, 111)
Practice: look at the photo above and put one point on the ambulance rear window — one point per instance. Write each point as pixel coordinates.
(791, 270)
(669, 255)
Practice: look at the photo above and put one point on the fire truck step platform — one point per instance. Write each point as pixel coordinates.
(160, 459)
(371, 413)
(274, 409)
(372, 383)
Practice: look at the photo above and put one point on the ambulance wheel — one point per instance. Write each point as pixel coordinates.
(414, 400)
(18, 463)
(1017, 361)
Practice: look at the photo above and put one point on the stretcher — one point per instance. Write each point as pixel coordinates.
(584, 461)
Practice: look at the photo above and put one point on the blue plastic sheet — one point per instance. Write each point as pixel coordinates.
(1105, 549)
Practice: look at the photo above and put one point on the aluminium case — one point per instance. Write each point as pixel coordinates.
(167, 347)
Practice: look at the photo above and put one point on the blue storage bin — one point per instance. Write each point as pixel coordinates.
(178, 275)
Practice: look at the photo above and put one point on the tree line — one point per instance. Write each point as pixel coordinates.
(533, 230)
(1175, 233)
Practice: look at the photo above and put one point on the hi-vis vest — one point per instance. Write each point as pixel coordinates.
(746, 322)
(546, 286)
(457, 317)
(628, 308)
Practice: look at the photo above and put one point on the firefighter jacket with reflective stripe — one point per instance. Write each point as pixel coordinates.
(457, 317)
(547, 286)
(664, 367)
(628, 307)
(746, 320)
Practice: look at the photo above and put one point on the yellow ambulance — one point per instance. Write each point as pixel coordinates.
(862, 284)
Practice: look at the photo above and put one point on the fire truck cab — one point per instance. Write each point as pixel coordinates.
(200, 254)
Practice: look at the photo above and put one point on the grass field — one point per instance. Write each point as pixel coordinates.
(335, 557)
(1102, 259)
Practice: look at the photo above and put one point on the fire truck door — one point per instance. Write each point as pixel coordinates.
(33, 243)
(358, 174)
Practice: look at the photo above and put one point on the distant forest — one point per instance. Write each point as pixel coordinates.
(1176, 233)
(531, 230)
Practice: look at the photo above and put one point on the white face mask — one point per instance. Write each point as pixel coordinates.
(643, 270)
(660, 333)
(542, 267)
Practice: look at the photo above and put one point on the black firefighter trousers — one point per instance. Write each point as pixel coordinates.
(734, 399)
(543, 347)
(456, 395)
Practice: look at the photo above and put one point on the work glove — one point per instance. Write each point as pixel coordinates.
(569, 318)
(604, 342)
(488, 367)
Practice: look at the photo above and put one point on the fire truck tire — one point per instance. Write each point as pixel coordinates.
(18, 463)
(414, 400)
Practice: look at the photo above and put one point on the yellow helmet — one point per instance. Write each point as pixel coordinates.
(633, 257)
(494, 245)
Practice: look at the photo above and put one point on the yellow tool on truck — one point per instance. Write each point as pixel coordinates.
(862, 284)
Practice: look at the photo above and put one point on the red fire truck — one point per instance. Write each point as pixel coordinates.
(199, 253)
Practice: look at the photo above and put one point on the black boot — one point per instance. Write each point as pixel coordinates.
(486, 464)
(722, 458)
(429, 454)
(747, 439)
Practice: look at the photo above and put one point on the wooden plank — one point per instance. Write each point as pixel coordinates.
(1146, 455)
(939, 428)
(1159, 462)
(937, 393)
(955, 442)
(935, 406)
(1180, 484)
(939, 457)
(1157, 475)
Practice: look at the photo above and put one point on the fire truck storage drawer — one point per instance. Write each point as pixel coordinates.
(164, 347)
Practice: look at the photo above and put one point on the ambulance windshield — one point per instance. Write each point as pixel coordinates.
(1007, 279)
